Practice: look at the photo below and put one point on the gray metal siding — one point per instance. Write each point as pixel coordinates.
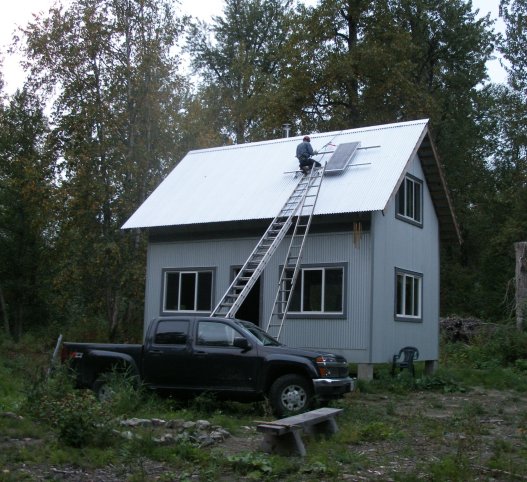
(348, 336)
(220, 254)
(398, 244)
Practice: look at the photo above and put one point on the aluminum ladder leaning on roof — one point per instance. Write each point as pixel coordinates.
(262, 253)
(291, 266)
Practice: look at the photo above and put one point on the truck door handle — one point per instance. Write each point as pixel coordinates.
(200, 353)
(157, 352)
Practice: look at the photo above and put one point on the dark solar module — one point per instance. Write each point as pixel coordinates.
(342, 157)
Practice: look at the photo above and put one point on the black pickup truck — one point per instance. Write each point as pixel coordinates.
(230, 357)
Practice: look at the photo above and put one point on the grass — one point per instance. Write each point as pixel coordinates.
(466, 422)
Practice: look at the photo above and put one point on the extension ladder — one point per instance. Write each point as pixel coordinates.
(291, 266)
(262, 253)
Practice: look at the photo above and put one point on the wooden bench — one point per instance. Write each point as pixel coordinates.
(284, 436)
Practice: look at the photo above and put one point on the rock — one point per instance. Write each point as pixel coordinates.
(175, 424)
(128, 435)
(136, 422)
(202, 424)
(220, 434)
(201, 432)
(165, 439)
(12, 415)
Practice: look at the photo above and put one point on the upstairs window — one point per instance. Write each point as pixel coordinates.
(408, 295)
(187, 291)
(409, 200)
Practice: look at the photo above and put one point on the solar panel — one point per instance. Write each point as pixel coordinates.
(342, 157)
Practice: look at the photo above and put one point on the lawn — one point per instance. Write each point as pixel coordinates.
(467, 422)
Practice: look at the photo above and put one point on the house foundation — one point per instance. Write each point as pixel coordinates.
(365, 371)
(431, 366)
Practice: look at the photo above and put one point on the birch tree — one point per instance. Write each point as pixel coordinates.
(118, 94)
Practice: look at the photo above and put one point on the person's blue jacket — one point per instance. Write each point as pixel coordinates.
(304, 150)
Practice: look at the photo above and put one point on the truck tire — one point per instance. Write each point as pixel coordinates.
(290, 394)
(103, 390)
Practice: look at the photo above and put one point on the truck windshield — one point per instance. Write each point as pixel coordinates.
(262, 336)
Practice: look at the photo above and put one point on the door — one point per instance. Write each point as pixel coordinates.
(166, 358)
(219, 364)
(250, 308)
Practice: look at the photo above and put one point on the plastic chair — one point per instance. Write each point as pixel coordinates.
(405, 359)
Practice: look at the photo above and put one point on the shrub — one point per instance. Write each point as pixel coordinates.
(501, 348)
(76, 416)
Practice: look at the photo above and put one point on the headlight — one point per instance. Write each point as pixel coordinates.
(323, 359)
(326, 366)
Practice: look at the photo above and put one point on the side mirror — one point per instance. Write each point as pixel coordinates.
(241, 342)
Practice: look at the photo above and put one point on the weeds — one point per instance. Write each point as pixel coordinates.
(431, 427)
(78, 419)
(254, 466)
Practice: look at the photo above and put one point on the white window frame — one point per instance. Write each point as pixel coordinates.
(408, 306)
(182, 273)
(410, 195)
(300, 285)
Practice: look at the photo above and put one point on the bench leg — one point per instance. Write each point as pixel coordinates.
(327, 427)
(287, 444)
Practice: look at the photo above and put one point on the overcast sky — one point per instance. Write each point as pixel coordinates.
(19, 12)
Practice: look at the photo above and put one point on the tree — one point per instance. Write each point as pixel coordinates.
(500, 219)
(358, 62)
(115, 116)
(27, 185)
(241, 66)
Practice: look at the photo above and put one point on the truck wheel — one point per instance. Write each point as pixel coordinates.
(290, 394)
(103, 390)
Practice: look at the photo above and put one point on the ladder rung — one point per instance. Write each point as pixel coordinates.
(295, 207)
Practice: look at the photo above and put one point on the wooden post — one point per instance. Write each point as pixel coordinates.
(521, 283)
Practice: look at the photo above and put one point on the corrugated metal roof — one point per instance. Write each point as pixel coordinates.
(251, 181)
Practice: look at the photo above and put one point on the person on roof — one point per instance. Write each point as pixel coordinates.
(304, 151)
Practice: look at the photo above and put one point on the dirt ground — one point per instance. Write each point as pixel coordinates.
(483, 430)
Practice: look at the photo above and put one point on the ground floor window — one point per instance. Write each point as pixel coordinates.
(318, 290)
(187, 290)
(408, 295)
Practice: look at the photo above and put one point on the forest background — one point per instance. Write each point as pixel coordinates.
(110, 108)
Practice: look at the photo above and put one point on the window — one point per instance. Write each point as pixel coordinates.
(212, 333)
(187, 291)
(171, 332)
(409, 200)
(408, 295)
(318, 290)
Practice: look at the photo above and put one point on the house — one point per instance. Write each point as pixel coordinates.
(369, 280)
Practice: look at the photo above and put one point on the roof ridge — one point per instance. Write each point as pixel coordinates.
(393, 125)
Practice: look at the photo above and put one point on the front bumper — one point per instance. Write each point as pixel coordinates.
(333, 387)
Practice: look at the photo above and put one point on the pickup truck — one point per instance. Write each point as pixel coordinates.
(226, 356)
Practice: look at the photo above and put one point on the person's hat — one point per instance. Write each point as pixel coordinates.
(306, 138)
